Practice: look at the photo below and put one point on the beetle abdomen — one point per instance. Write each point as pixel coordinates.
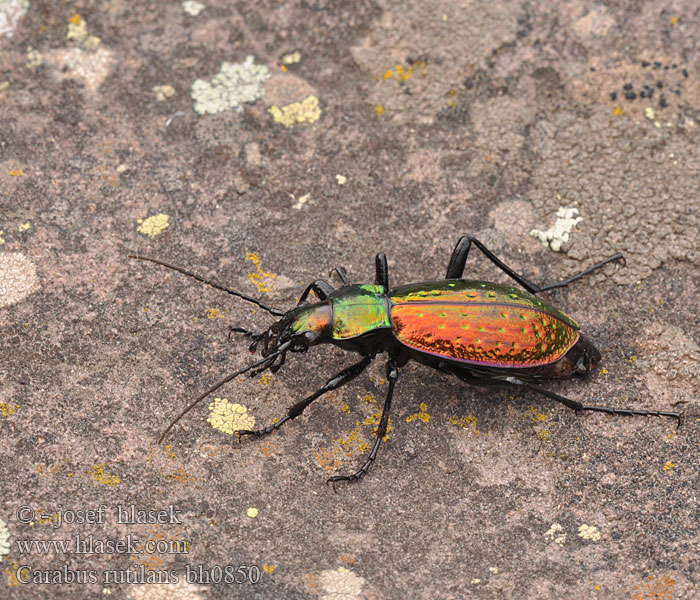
(495, 325)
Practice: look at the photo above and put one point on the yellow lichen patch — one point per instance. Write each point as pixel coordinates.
(2, 239)
(24, 227)
(374, 419)
(536, 416)
(12, 574)
(252, 512)
(401, 73)
(77, 29)
(163, 92)
(297, 113)
(6, 410)
(467, 423)
(292, 58)
(228, 417)
(423, 415)
(268, 568)
(379, 109)
(265, 379)
(17, 173)
(349, 443)
(260, 278)
(101, 475)
(668, 466)
(154, 225)
(214, 313)
(589, 532)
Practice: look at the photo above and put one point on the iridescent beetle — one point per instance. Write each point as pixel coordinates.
(484, 333)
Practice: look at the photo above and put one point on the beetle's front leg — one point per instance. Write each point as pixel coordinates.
(294, 411)
(392, 374)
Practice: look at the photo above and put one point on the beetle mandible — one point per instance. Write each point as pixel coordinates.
(483, 333)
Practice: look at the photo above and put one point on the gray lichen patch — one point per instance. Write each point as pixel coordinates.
(18, 278)
(232, 86)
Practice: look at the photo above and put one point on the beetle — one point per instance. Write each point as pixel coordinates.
(484, 333)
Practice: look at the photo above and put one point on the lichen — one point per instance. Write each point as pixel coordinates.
(229, 417)
(18, 278)
(231, 87)
(558, 235)
(297, 113)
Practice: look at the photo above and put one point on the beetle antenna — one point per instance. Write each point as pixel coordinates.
(215, 387)
(273, 311)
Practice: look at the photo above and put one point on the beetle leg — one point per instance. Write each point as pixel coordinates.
(321, 288)
(382, 277)
(455, 269)
(343, 274)
(625, 412)
(578, 276)
(295, 410)
(392, 374)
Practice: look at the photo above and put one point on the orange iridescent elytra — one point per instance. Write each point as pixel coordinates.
(481, 323)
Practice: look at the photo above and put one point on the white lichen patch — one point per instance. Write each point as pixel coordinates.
(557, 235)
(11, 11)
(229, 417)
(154, 225)
(4, 540)
(182, 590)
(341, 584)
(18, 278)
(34, 58)
(192, 8)
(233, 85)
(589, 532)
(297, 113)
(89, 68)
(556, 534)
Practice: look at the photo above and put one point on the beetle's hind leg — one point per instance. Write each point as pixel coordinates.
(455, 269)
(582, 274)
(625, 412)
(295, 410)
(392, 373)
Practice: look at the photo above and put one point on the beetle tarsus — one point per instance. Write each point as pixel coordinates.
(582, 274)
(621, 412)
(392, 374)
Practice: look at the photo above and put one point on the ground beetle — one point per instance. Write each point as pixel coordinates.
(484, 333)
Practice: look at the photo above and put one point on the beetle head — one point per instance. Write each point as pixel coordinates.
(303, 326)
